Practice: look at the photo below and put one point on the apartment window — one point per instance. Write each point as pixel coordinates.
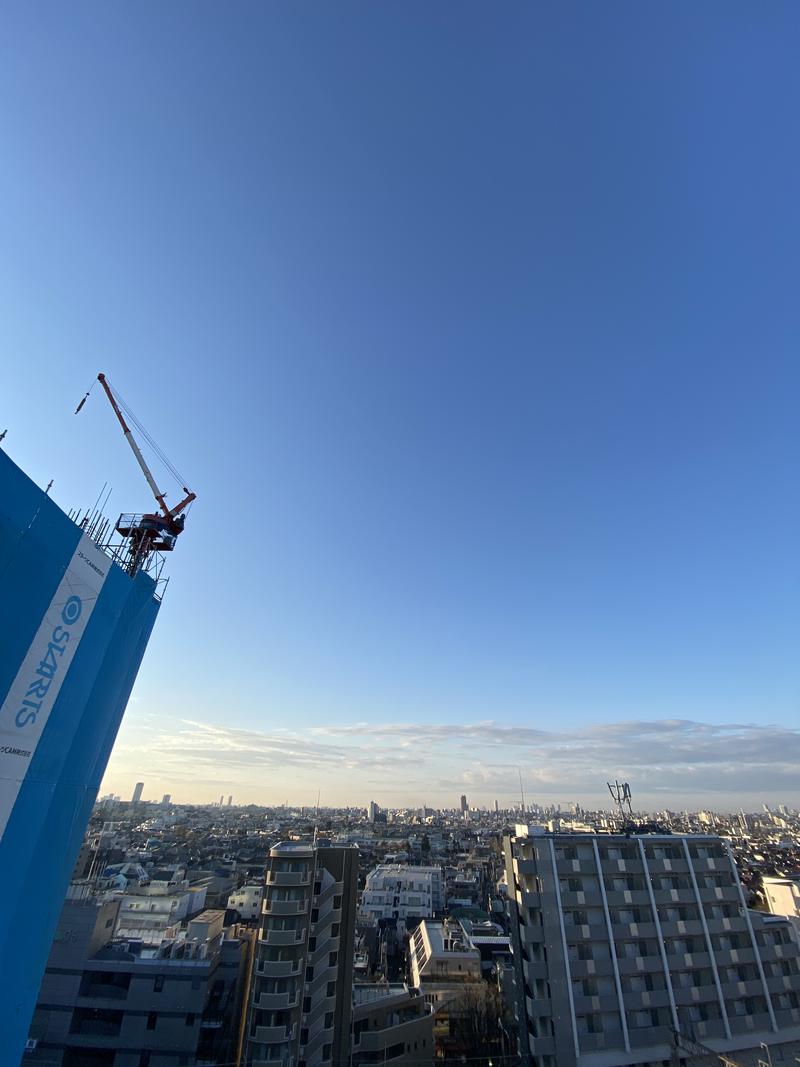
(328, 1020)
(190, 1019)
(309, 974)
(331, 990)
(304, 1036)
(337, 902)
(647, 1019)
(152, 1018)
(326, 1051)
(315, 915)
(100, 1021)
(306, 1005)
(335, 929)
(312, 944)
(333, 959)
(158, 983)
(144, 1059)
(590, 1024)
(107, 985)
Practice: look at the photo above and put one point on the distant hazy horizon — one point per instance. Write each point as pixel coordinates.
(676, 764)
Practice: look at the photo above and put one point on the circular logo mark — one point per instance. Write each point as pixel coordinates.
(71, 611)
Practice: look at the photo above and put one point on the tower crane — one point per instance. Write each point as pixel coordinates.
(156, 531)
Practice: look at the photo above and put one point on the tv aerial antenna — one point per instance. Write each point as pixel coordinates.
(621, 794)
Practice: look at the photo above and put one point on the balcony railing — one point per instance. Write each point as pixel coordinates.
(279, 968)
(289, 878)
(272, 1035)
(277, 1001)
(281, 937)
(285, 907)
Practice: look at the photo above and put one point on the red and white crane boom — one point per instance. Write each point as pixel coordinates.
(170, 514)
(153, 532)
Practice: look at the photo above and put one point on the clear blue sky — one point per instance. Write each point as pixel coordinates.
(475, 328)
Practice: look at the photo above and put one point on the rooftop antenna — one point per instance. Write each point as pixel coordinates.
(621, 793)
(316, 818)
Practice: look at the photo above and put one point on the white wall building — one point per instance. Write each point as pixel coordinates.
(392, 891)
(622, 940)
(247, 900)
(782, 895)
(151, 907)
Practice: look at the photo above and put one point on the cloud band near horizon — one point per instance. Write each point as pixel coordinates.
(675, 763)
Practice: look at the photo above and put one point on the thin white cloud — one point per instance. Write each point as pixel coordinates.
(667, 760)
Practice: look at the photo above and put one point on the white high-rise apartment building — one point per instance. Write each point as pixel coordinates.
(620, 941)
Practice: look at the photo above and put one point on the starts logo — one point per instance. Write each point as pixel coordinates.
(48, 667)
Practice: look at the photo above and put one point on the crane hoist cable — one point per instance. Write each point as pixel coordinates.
(170, 521)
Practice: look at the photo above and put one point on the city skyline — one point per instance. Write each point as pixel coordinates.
(677, 764)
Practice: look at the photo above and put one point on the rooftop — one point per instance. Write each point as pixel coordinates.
(369, 993)
(292, 848)
(445, 938)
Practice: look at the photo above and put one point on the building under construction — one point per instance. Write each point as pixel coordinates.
(78, 599)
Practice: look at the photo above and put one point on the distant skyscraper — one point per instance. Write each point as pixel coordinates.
(496, 807)
(166, 800)
(373, 810)
(230, 801)
(220, 800)
(138, 789)
(464, 805)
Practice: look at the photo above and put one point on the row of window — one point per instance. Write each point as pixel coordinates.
(667, 913)
(660, 852)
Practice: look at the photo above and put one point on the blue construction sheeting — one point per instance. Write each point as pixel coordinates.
(83, 624)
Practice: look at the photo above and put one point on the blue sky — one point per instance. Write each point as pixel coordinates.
(475, 329)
